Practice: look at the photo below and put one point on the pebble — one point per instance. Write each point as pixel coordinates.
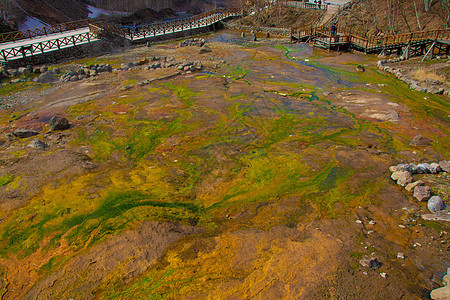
(384, 275)
(400, 255)
(358, 221)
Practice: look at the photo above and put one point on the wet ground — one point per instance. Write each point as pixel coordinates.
(263, 176)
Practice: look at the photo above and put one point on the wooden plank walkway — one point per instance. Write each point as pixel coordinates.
(37, 41)
(166, 28)
(409, 44)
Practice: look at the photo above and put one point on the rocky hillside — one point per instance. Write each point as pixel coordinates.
(395, 16)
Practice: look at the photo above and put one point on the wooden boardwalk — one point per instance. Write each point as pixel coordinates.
(407, 45)
(22, 44)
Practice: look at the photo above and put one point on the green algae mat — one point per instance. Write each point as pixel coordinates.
(240, 181)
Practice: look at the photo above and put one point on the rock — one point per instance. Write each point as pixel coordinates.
(420, 140)
(58, 123)
(143, 62)
(423, 168)
(435, 168)
(400, 255)
(360, 68)
(435, 204)
(243, 34)
(23, 70)
(443, 215)
(37, 144)
(403, 177)
(74, 78)
(422, 193)
(44, 69)
(373, 263)
(435, 90)
(46, 77)
(442, 293)
(204, 49)
(417, 87)
(24, 133)
(445, 165)
(433, 81)
(410, 187)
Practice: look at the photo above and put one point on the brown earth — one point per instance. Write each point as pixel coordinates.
(253, 253)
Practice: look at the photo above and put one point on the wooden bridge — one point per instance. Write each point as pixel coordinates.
(22, 44)
(407, 44)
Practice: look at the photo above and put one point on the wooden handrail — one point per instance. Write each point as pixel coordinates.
(41, 31)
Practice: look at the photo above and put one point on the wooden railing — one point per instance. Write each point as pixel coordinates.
(366, 41)
(304, 5)
(16, 52)
(155, 29)
(41, 31)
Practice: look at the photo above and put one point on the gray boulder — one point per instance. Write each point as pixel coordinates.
(24, 133)
(37, 144)
(46, 77)
(424, 168)
(58, 123)
(422, 193)
(435, 168)
(435, 204)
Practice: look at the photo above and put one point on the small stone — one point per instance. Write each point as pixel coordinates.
(445, 165)
(58, 123)
(372, 222)
(420, 140)
(402, 226)
(204, 49)
(435, 204)
(410, 187)
(374, 263)
(37, 144)
(400, 255)
(360, 68)
(384, 275)
(358, 221)
(422, 193)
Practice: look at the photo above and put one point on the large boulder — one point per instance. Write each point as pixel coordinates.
(46, 77)
(24, 133)
(58, 123)
(442, 293)
(435, 204)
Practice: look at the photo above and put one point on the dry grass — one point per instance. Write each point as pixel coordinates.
(422, 74)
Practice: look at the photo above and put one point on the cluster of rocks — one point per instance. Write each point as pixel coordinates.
(56, 123)
(403, 175)
(85, 72)
(430, 85)
(192, 42)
